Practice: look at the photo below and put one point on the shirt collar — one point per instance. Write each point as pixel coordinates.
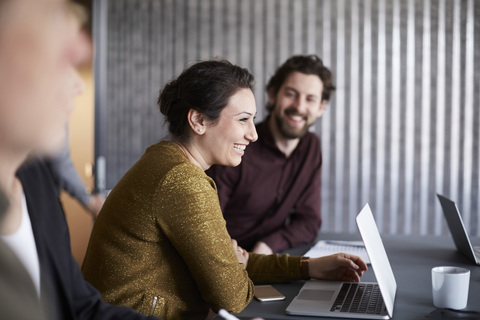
(265, 137)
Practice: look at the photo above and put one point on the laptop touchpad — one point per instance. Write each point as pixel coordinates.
(317, 295)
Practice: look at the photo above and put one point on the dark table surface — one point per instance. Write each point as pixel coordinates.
(411, 257)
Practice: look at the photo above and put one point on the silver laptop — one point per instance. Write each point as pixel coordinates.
(457, 229)
(364, 300)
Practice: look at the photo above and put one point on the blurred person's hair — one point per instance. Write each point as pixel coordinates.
(78, 13)
(206, 87)
(74, 9)
(307, 64)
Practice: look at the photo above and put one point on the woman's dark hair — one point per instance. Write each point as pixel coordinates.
(206, 87)
(307, 64)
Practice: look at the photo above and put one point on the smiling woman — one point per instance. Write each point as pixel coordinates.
(160, 244)
(210, 110)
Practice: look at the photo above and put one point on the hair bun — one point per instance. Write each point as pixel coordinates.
(169, 96)
(206, 87)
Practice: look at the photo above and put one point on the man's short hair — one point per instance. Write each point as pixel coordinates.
(307, 64)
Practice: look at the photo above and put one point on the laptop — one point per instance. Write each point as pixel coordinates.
(364, 300)
(457, 229)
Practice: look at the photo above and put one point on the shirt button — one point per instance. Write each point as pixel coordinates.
(280, 191)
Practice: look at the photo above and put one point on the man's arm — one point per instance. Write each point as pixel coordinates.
(304, 223)
(67, 178)
(65, 175)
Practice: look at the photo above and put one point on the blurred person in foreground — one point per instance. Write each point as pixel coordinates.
(18, 298)
(160, 244)
(271, 201)
(39, 43)
(63, 170)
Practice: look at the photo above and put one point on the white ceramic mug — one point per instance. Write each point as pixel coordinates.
(450, 287)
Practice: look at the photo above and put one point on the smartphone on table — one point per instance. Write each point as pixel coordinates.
(268, 293)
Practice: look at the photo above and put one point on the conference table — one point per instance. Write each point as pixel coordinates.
(411, 257)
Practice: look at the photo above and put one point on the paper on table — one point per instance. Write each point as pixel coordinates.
(325, 248)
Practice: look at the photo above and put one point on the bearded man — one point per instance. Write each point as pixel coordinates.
(271, 201)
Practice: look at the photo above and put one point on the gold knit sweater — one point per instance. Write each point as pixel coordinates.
(160, 244)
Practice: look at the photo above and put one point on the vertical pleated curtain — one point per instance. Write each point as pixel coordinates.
(403, 124)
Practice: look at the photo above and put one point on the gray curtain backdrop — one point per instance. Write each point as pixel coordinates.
(402, 126)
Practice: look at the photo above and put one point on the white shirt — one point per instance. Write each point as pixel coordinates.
(23, 245)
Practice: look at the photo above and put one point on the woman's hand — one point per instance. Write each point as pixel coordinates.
(339, 266)
(242, 255)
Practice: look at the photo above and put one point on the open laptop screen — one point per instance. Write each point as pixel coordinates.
(378, 257)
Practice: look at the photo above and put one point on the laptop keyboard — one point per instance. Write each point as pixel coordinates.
(359, 298)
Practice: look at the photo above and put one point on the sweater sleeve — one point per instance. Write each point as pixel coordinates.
(273, 268)
(188, 211)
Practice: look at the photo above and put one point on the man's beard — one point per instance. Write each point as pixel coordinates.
(286, 130)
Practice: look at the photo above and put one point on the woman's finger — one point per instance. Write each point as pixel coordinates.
(350, 275)
(234, 244)
(363, 266)
(354, 262)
